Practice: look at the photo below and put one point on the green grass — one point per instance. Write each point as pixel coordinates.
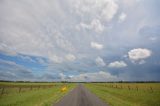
(125, 97)
(28, 83)
(41, 97)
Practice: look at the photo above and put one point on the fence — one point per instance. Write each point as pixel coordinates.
(20, 88)
(128, 87)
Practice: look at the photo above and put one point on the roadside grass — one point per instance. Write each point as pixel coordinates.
(41, 97)
(126, 97)
(28, 83)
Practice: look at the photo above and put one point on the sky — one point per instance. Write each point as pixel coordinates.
(80, 40)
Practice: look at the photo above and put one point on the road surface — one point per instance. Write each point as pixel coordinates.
(80, 96)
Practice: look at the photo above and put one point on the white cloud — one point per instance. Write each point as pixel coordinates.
(96, 45)
(109, 10)
(62, 76)
(56, 59)
(97, 26)
(130, 3)
(122, 17)
(46, 30)
(97, 76)
(7, 50)
(139, 53)
(41, 31)
(99, 61)
(62, 42)
(83, 25)
(94, 25)
(35, 32)
(70, 57)
(102, 9)
(60, 59)
(117, 64)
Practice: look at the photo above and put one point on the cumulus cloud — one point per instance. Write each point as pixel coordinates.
(117, 64)
(99, 61)
(97, 26)
(61, 59)
(70, 57)
(97, 76)
(122, 17)
(94, 25)
(56, 59)
(139, 53)
(62, 77)
(109, 10)
(96, 45)
(102, 9)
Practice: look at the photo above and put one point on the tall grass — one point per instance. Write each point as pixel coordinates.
(41, 97)
(115, 96)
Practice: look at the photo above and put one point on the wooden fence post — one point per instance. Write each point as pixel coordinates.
(31, 88)
(137, 88)
(19, 89)
(129, 87)
(2, 91)
(151, 89)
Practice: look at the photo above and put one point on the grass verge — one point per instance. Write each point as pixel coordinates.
(124, 97)
(41, 97)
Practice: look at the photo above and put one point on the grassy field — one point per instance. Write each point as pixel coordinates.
(127, 94)
(46, 94)
(32, 94)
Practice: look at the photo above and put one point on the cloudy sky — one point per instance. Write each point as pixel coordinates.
(80, 40)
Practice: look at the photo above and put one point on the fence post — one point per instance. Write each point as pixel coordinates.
(137, 88)
(31, 88)
(129, 87)
(151, 89)
(2, 91)
(19, 89)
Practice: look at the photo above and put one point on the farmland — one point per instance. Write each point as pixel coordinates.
(127, 94)
(31, 94)
(47, 94)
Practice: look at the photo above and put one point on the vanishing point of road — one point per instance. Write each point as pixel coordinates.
(80, 96)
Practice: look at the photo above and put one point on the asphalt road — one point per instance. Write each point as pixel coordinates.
(80, 96)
